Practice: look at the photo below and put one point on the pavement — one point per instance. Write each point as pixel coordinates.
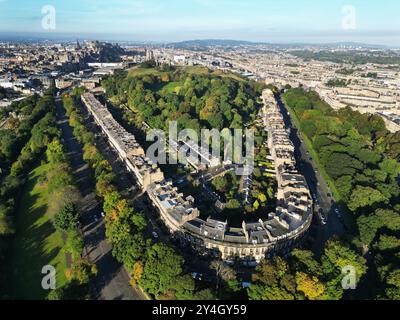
(112, 280)
(317, 185)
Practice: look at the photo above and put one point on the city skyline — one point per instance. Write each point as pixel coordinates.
(177, 20)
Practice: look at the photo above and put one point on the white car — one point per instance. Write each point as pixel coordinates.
(197, 276)
(322, 218)
(155, 235)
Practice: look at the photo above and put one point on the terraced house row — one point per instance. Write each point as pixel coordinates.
(279, 232)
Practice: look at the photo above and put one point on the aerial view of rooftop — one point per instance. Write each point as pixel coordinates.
(226, 152)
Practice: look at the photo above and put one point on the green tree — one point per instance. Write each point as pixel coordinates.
(205, 295)
(365, 197)
(220, 183)
(305, 260)
(55, 152)
(67, 218)
(272, 280)
(82, 270)
(74, 244)
(370, 224)
(393, 282)
(233, 204)
(162, 268)
(184, 287)
(338, 255)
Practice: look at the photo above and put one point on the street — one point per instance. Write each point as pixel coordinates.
(112, 281)
(318, 187)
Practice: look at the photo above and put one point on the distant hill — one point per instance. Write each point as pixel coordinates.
(206, 43)
(209, 43)
(188, 44)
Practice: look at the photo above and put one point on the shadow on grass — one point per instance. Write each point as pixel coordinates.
(36, 243)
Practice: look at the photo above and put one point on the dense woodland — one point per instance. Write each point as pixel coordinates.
(194, 97)
(302, 276)
(362, 160)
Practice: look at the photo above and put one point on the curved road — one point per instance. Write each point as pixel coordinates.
(316, 183)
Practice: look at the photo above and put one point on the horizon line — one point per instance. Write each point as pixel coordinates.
(62, 36)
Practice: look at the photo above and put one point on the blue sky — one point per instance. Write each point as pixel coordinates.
(171, 20)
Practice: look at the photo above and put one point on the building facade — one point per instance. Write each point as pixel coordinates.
(278, 233)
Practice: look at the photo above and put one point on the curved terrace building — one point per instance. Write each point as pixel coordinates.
(279, 232)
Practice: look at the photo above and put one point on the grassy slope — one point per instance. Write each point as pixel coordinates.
(36, 243)
(199, 70)
(140, 72)
(193, 70)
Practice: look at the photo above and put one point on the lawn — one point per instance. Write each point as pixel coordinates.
(192, 70)
(36, 243)
(203, 71)
(231, 75)
(196, 70)
(172, 87)
(141, 72)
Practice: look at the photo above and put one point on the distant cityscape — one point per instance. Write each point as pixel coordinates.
(365, 87)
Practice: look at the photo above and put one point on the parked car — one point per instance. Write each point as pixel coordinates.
(155, 235)
(314, 196)
(197, 276)
(322, 217)
(338, 213)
